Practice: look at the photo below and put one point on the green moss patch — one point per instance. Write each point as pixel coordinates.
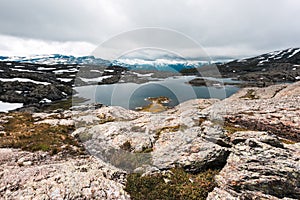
(176, 185)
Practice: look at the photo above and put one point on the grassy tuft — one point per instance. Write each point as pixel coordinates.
(177, 184)
(231, 128)
(286, 141)
(249, 95)
(168, 129)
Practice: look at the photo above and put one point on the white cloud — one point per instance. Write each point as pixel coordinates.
(251, 25)
(15, 46)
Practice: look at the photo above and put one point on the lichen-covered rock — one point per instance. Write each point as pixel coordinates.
(275, 109)
(160, 141)
(260, 166)
(187, 150)
(169, 139)
(49, 178)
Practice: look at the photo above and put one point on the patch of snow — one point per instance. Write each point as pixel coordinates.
(1, 70)
(98, 79)
(23, 80)
(65, 94)
(260, 58)
(8, 63)
(25, 70)
(46, 68)
(5, 107)
(294, 69)
(65, 79)
(61, 71)
(263, 61)
(294, 53)
(18, 91)
(275, 53)
(277, 58)
(159, 62)
(94, 70)
(142, 75)
(297, 77)
(20, 66)
(109, 70)
(45, 100)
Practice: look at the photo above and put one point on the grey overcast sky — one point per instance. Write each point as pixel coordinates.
(223, 27)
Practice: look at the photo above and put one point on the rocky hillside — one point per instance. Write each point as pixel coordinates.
(243, 147)
(278, 66)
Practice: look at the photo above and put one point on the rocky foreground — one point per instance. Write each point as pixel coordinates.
(249, 142)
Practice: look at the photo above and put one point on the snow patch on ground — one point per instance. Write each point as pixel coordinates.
(94, 70)
(65, 71)
(5, 107)
(45, 100)
(142, 75)
(23, 80)
(45, 68)
(65, 79)
(25, 70)
(294, 53)
(98, 79)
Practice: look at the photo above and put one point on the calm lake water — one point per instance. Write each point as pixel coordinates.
(132, 95)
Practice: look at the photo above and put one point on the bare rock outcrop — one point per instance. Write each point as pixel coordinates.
(259, 167)
(25, 175)
(274, 109)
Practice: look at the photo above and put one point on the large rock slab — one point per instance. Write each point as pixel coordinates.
(275, 109)
(25, 175)
(260, 166)
(131, 140)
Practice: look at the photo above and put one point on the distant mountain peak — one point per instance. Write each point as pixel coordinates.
(54, 59)
(290, 55)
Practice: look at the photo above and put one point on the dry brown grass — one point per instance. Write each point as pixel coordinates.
(22, 132)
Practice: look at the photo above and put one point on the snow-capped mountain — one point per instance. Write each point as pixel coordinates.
(163, 64)
(275, 66)
(55, 59)
(160, 64)
(291, 55)
(274, 59)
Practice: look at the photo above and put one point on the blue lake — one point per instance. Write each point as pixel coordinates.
(132, 95)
